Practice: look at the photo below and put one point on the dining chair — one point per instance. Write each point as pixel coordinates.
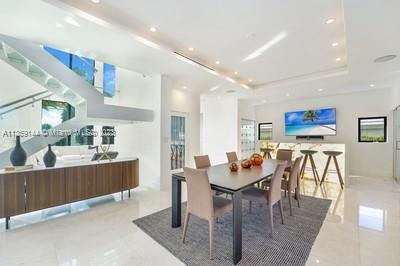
(232, 157)
(285, 155)
(291, 184)
(268, 196)
(201, 202)
(202, 161)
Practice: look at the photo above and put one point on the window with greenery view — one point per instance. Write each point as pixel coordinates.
(372, 129)
(55, 113)
(265, 131)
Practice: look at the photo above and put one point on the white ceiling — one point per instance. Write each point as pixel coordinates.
(228, 31)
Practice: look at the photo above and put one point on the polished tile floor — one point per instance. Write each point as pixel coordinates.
(362, 228)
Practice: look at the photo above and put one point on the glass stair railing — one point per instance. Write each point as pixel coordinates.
(22, 102)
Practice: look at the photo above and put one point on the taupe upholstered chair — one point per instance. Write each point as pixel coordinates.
(270, 196)
(291, 184)
(285, 155)
(202, 203)
(232, 157)
(202, 161)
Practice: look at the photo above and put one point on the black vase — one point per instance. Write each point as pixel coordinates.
(49, 158)
(18, 155)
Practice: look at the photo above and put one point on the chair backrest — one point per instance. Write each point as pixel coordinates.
(274, 192)
(232, 157)
(199, 195)
(202, 161)
(284, 155)
(294, 173)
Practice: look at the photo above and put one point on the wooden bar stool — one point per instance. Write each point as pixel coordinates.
(309, 155)
(266, 153)
(330, 155)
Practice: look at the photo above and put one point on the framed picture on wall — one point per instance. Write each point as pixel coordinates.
(265, 131)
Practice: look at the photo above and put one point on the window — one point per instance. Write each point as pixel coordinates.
(108, 80)
(247, 137)
(372, 129)
(178, 141)
(84, 67)
(108, 134)
(265, 131)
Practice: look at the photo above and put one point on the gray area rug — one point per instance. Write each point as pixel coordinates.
(291, 244)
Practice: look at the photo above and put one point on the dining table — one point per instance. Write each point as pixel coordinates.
(222, 179)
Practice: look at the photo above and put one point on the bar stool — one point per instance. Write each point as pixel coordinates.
(333, 154)
(309, 155)
(266, 152)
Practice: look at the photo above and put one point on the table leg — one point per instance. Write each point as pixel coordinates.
(237, 226)
(176, 202)
(7, 223)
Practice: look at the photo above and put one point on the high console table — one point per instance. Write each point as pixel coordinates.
(41, 188)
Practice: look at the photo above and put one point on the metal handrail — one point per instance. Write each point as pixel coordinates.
(25, 104)
(22, 99)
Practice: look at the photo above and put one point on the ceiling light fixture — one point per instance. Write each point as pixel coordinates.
(320, 90)
(287, 94)
(191, 49)
(71, 21)
(338, 59)
(214, 88)
(96, 1)
(334, 44)
(385, 58)
(279, 37)
(250, 80)
(235, 73)
(330, 21)
(217, 62)
(152, 29)
(184, 87)
(372, 85)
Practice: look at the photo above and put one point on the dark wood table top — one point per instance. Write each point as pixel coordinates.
(221, 177)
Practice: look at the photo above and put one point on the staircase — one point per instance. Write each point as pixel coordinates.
(36, 63)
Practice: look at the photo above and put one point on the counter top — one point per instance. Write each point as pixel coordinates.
(71, 164)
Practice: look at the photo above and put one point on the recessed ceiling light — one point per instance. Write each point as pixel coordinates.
(330, 21)
(184, 87)
(338, 59)
(287, 94)
(152, 29)
(217, 62)
(334, 44)
(191, 49)
(385, 58)
(235, 73)
(96, 1)
(372, 85)
(320, 90)
(250, 80)
(71, 21)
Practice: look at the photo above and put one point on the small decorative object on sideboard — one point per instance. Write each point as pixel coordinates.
(256, 159)
(18, 155)
(245, 163)
(234, 167)
(49, 158)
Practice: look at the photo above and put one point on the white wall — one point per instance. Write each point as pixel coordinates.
(365, 159)
(220, 132)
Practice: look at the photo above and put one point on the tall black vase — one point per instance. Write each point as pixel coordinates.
(18, 155)
(49, 158)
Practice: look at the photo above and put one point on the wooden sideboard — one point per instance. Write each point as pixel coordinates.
(36, 189)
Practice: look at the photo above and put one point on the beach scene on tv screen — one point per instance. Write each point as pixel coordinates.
(320, 122)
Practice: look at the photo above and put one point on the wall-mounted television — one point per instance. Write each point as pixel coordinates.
(319, 122)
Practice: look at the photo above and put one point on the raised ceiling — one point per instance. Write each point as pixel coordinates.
(298, 58)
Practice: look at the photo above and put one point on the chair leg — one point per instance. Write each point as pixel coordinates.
(185, 225)
(281, 210)
(211, 229)
(290, 202)
(271, 220)
(303, 167)
(285, 193)
(297, 191)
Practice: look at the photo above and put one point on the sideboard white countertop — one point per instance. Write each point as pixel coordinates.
(320, 158)
(72, 163)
